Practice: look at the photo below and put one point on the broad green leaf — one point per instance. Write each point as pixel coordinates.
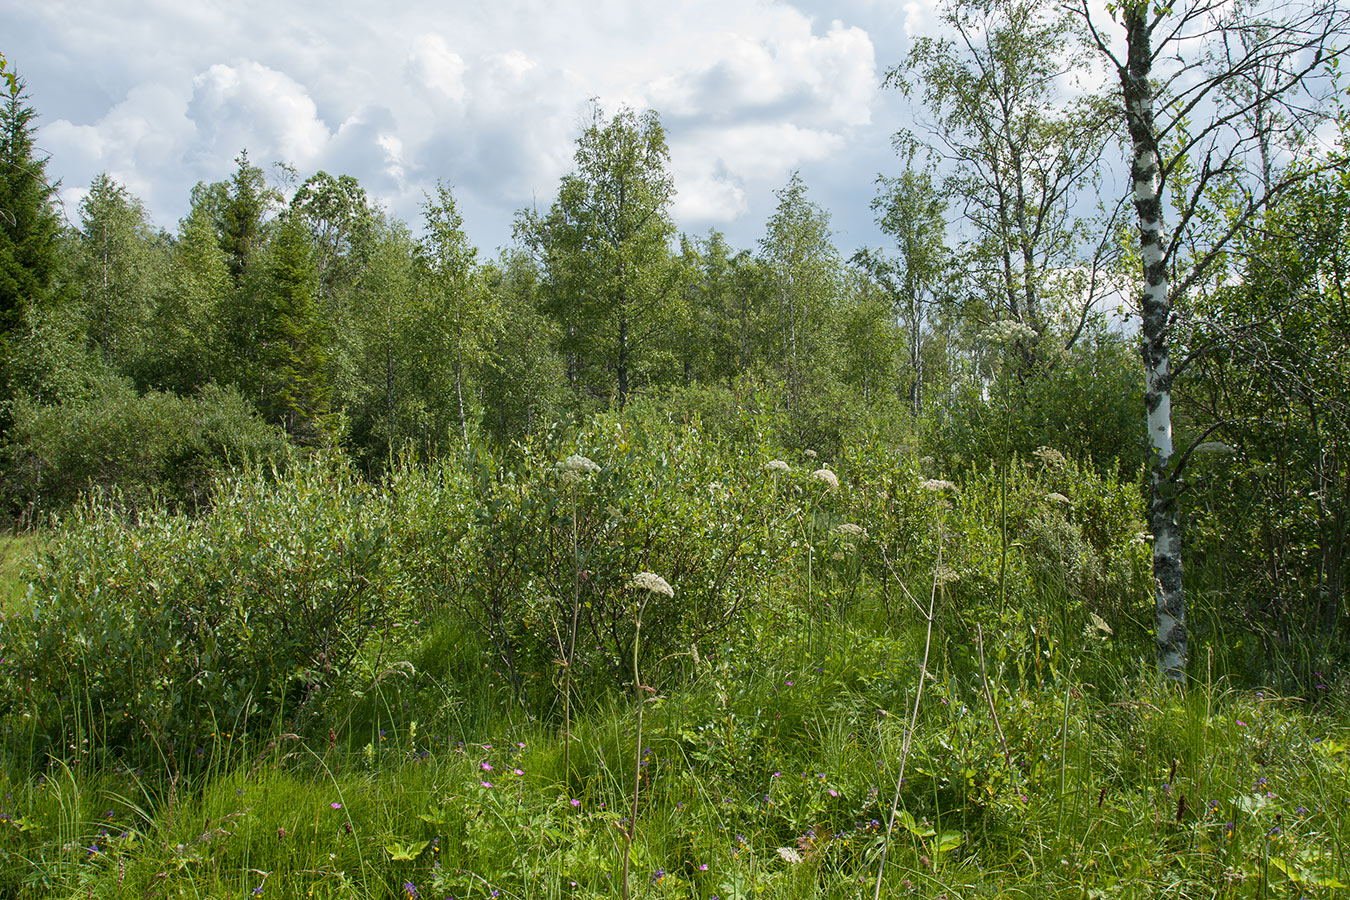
(948, 840)
(405, 852)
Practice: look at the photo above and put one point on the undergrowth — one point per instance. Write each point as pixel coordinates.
(429, 689)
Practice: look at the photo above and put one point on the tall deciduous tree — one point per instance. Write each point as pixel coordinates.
(913, 211)
(388, 401)
(1021, 154)
(117, 270)
(465, 309)
(525, 374)
(604, 250)
(341, 223)
(181, 351)
(1186, 74)
(805, 271)
(1273, 393)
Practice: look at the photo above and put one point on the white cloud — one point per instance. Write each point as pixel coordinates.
(136, 142)
(250, 105)
(487, 97)
(433, 65)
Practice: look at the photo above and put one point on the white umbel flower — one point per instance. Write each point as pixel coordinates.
(809, 454)
(831, 480)
(1009, 331)
(1059, 498)
(789, 855)
(575, 468)
(776, 466)
(649, 581)
(848, 529)
(937, 485)
(1097, 628)
(1213, 448)
(1050, 457)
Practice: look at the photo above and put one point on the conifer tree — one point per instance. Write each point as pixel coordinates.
(297, 351)
(28, 224)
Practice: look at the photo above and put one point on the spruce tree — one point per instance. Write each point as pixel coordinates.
(28, 224)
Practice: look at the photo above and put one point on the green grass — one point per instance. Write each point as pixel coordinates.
(1057, 767)
(764, 776)
(16, 553)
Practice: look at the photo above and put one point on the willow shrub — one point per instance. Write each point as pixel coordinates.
(137, 449)
(1030, 552)
(508, 544)
(161, 637)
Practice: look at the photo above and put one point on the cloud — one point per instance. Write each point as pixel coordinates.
(137, 142)
(251, 106)
(489, 98)
(715, 168)
(432, 65)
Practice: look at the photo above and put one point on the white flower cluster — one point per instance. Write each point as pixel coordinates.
(1096, 628)
(649, 581)
(946, 575)
(1009, 331)
(775, 466)
(1051, 457)
(937, 485)
(1059, 498)
(575, 468)
(1213, 448)
(848, 529)
(831, 480)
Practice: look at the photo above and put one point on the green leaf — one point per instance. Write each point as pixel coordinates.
(405, 852)
(948, 840)
(905, 819)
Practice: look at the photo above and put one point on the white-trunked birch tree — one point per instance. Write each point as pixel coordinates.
(1210, 91)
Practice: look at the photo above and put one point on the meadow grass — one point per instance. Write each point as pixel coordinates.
(766, 774)
(17, 550)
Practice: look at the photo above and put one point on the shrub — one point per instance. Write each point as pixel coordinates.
(169, 632)
(139, 448)
(490, 538)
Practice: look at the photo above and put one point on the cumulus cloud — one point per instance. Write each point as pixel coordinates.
(250, 105)
(432, 65)
(136, 142)
(489, 98)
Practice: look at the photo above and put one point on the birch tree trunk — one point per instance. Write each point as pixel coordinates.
(1156, 309)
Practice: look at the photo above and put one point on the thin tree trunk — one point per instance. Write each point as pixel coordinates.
(622, 367)
(1145, 169)
(459, 395)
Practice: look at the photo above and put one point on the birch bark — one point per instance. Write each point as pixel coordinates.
(1156, 309)
(1201, 127)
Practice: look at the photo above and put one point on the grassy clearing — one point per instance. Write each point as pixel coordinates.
(762, 776)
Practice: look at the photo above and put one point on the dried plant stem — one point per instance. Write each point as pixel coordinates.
(571, 649)
(914, 715)
(989, 696)
(631, 831)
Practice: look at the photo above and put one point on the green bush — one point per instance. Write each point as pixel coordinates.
(173, 632)
(491, 540)
(138, 448)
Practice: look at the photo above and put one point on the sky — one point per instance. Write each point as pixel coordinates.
(488, 97)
